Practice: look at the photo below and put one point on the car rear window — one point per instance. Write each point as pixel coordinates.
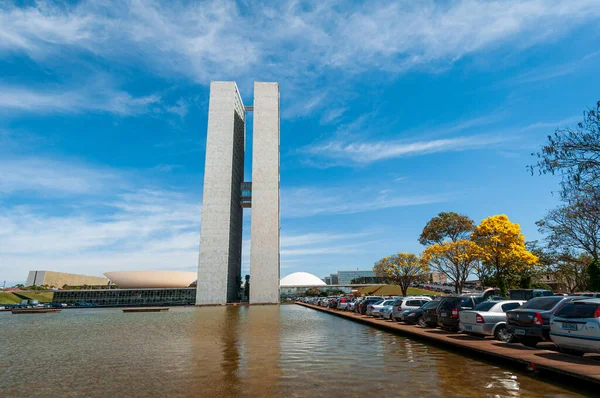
(577, 310)
(466, 302)
(510, 306)
(430, 304)
(541, 303)
(485, 306)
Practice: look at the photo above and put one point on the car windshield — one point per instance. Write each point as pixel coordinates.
(388, 302)
(378, 302)
(578, 310)
(541, 303)
(485, 306)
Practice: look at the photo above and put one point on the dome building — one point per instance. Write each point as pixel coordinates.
(301, 279)
(296, 284)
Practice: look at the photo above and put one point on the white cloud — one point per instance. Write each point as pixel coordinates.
(369, 152)
(93, 98)
(306, 202)
(114, 222)
(293, 42)
(52, 177)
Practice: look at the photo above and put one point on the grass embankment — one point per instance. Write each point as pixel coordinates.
(9, 298)
(392, 290)
(42, 297)
(16, 297)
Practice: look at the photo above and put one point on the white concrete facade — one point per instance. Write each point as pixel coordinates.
(264, 239)
(219, 264)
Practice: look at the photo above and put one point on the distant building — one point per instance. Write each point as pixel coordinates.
(346, 277)
(437, 277)
(327, 280)
(334, 279)
(59, 279)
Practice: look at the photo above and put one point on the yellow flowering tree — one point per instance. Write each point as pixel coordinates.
(402, 268)
(455, 259)
(503, 247)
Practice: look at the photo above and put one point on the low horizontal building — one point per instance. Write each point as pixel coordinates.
(60, 279)
(126, 297)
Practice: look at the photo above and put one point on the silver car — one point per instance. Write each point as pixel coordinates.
(575, 327)
(374, 309)
(407, 303)
(488, 319)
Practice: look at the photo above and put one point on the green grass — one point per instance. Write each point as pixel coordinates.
(393, 290)
(43, 297)
(9, 298)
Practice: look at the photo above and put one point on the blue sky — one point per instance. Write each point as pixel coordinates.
(391, 113)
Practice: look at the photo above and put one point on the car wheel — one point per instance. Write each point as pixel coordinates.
(421, 322)
(571, 352)
(502, 334)
(530, 342)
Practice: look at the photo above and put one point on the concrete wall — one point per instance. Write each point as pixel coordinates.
(219, 264)
(59, 279)
(264, 240)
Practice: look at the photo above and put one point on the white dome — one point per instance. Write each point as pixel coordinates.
(301, 279)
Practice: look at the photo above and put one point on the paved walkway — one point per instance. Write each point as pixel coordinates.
(543, 360)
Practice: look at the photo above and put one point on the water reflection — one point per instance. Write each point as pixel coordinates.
(262, 351)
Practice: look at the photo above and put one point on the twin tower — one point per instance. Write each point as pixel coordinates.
(226, 194)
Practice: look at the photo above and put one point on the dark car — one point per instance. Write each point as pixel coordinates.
(415, 317)
(449, 308)
(530, 324)
(430, 315)
(366, 302)
(528, 294)
(333, 303)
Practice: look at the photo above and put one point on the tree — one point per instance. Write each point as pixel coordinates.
(575, 154)
(571, 270)
(594, 275)
(503, 247)
(456, 260)
(402, 268)
(313, 292)
(446, 225)
(574, 226)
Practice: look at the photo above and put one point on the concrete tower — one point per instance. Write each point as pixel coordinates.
(226, 195)
(264, 237)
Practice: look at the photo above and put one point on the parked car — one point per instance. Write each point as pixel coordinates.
(488, 319)
(430, 315)
(366, 302)
(586, 294)
(528, 294)
(575, 327)
(415, 317)
(343, 303)
(530, 323)
(386, 311)
(351, 305)
(407, 303)
(450, 307)
(374, 308)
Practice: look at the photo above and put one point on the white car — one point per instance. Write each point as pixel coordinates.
(407, 303)
(575, 327)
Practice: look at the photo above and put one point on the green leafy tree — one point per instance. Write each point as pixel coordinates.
(402, 268)
(594, 276)
(446, 226)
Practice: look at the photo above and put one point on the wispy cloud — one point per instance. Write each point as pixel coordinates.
(289, 41)
(369, 152)
(306, 202)
(94, 98)
(117, 222)
(51, 177)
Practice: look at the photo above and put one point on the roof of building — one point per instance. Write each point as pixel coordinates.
(301, 279)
